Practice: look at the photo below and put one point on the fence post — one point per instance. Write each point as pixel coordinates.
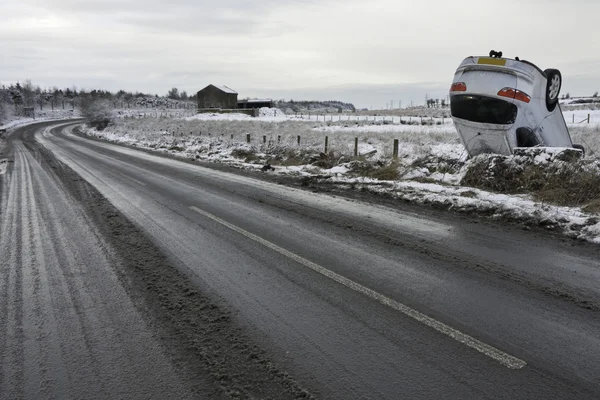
(326, 143)
(588, 118)
(232, 136)
(573, 117)
(355, 147)
(264, 138)
(247, 138)
(395, 149)
(298, 140)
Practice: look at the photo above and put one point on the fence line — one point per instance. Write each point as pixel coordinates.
(411, 120)
(274, 141)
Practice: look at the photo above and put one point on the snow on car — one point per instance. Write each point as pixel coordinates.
(499, 104)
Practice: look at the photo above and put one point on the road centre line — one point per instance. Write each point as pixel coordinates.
(503, 358)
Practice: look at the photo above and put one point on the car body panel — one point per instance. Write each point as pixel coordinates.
(484, 78)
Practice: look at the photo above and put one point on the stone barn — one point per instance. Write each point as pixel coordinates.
(215, 96)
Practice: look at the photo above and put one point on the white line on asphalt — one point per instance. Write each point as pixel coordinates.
(490, 351)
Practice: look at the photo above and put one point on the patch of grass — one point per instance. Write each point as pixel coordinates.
(326, 160)
(469, 193)
(593, 207)
(242, 153)
(249, 155)
(361, 167)
(560, 183)
(290, 157)
(386, 173)
(438, 164)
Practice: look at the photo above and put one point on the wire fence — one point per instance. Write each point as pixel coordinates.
(389, 119)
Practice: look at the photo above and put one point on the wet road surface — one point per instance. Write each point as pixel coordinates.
(354, 300)
(67, 327)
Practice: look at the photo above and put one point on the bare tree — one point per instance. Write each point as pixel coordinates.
(98, 113)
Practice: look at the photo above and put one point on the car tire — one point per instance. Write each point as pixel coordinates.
(553, 85)
(579, 147)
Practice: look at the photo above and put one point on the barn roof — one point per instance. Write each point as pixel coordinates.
(225, 89)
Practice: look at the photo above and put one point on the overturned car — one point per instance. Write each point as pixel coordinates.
(499, 104)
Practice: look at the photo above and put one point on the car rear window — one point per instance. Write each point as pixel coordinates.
(483, 109)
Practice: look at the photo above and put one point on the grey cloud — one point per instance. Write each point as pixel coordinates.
(225, 17)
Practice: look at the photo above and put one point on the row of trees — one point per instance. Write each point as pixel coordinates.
(15, 98)
(27, 95)
(175, 95)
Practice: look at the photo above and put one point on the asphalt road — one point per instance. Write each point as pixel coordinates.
(346, 299)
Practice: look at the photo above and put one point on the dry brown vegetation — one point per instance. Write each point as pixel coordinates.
(574, 183)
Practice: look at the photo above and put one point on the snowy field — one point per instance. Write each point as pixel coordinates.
(429, 168)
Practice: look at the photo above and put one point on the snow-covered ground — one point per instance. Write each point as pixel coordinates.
(44, 115)
(430, 165)
(580, 117)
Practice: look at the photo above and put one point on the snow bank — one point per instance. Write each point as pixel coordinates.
(266, 112)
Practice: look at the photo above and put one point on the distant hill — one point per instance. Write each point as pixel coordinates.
(330, 106)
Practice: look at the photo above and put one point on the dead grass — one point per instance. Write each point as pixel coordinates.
(249, 156)
(469, 193)
(386, 173)
(593, 207)
(438, 164)
(561, 183)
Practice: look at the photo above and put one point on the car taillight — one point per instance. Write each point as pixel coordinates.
(458, 87)
(514, 94)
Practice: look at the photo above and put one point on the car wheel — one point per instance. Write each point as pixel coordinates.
(579, 147)
(554, 82)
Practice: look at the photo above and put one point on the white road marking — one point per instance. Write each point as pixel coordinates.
(490, 351)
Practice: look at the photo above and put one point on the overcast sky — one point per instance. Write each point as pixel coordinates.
(367, 52)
